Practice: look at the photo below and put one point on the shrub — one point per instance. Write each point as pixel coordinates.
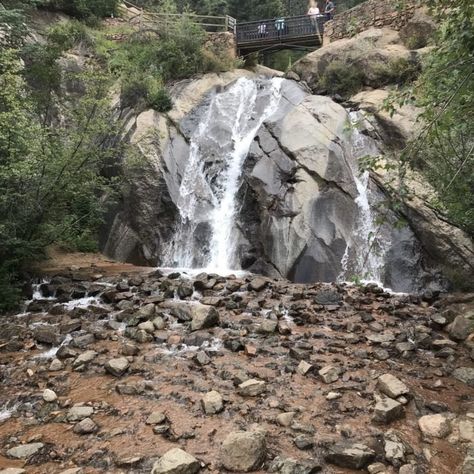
(145, 92)
(159, 99)
(416, 41)
(68, 34)
(397, 71)
(133, 91)
(86, 9)
(341, 78)
(9, 291)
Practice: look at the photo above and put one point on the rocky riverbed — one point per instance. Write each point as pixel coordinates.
(176, 373)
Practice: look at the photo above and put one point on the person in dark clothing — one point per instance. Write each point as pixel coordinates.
(329, 9)
(280, 26)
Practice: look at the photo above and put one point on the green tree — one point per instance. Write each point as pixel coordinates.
(444, 151)
(85, 9)
(248, 10)
(51, 170)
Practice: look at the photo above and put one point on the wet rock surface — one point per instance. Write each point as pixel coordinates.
(299, 212)
(278, 377)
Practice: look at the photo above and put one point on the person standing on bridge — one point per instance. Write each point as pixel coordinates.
(329, 10)
(313, 13)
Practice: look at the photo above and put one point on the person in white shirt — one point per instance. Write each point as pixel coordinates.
(313, 13)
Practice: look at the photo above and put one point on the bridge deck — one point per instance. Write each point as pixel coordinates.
(278, 32)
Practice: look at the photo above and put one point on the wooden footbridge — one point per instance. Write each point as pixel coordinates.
(253, 36)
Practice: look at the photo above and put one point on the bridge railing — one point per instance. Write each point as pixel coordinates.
(280, 29)
(209, 23)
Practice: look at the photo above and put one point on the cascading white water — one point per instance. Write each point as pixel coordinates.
(368, 259)
(208, 198)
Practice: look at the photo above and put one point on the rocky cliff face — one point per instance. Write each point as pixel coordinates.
(304, 211)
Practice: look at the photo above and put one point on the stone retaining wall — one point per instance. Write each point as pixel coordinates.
(373, 13)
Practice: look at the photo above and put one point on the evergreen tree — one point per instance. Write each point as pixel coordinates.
(248, 10)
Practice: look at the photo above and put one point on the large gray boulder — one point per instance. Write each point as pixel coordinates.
(300, 211)
(462, 327)
(419, 30)
(376, 54)
(395, 129)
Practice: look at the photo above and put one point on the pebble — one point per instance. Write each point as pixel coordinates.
(156, 418)
(285, 419)
(49, 395)
(303, 367)
(56, 365)
(86, 426)
(78, 413)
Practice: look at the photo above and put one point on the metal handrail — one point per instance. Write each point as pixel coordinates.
(281, 28)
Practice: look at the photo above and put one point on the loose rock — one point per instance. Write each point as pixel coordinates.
(49, 396)
(350, 455)
(176, 461)
(329, 374)
(387, 410)
(86, 426)
(117, 367)
(78, 413)
(243, 451)
(437, 426)
(252, 388)
(212, 403)
(24, 451)
(391, 386)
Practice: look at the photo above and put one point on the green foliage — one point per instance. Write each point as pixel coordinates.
(89, 10)
(159, 99)
(282, 60)
(145, 92)
(50, 170)
(417, 40)
(248, 10)
(13, 28)
(398, 71)
(341, 78)
(67, 34)
(444, 150)
(352, 27)
(150, 59)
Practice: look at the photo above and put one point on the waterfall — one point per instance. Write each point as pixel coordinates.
(206, 236)
(368, 246)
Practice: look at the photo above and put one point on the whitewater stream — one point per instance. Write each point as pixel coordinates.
(226, 132)
(206, 236)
